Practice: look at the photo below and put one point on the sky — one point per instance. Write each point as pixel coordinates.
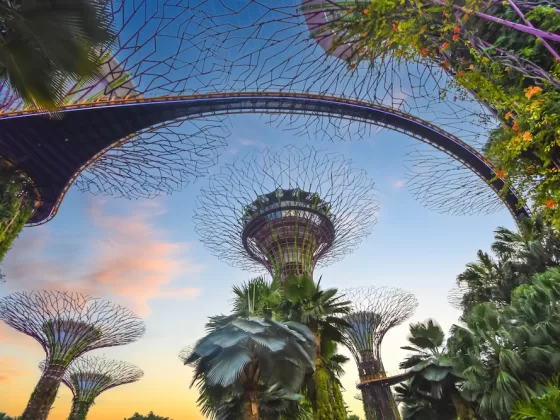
(147, 256)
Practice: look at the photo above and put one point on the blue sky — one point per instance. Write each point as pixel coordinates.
(146, 255)
(410, 247)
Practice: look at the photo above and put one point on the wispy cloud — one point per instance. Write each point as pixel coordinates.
(247, 142)
(398, 184)
(128, 259)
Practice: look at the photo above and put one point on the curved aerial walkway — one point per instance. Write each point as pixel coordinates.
(390, 379)
(54, 151)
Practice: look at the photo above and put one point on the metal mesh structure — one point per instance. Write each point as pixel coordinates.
(288, 46)
(69, 324)
(66, 325)
(158, 50)
(89, 376)
(286, 210)
(160, 160)
(375, 311)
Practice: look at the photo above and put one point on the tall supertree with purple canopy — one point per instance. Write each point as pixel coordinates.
(375, 311)
(66, 325)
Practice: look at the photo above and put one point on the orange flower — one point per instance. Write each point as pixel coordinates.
(461, 72)
(395, 27)
(424, 51)
(364, 34)
(550, 204)
(422, 30)
(446, 64)
(515, 127)
(456, 30)
(445, 45)
(532, 91)
(366, 11)
(506, 69)
(508, 116)
(455, 37)
(527, 136)
(484, 59)
(500, 173)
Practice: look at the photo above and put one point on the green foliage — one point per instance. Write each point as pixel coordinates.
(150, 416)
(244, 355)
(533, 249)
(15, 208)
(434, 381)
(510, 72)
(545, 407)
(322, 409)
(4, 416)
(353, 417)
(298, 300)
(45, 43)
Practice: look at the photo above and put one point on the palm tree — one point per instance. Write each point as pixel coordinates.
(244, 359)
(299, 299)
(321, 310)
(432, 370)
(46, 42)
(534, 248)
(545, 407)
(419, 405)
(485, 280)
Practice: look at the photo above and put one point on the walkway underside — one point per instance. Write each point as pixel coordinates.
(53, 151)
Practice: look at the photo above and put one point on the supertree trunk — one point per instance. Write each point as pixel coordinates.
(80, 409)
(44, 394)
(379, 403)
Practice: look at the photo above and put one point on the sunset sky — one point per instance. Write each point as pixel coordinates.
(146, 255)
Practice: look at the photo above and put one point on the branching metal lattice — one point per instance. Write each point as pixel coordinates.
(160, 160)
(66, 325)
(69, 324)
(375, 311)
(286, 210)
(89, 376)
(445, 185)
(284, 46)
(159, 50)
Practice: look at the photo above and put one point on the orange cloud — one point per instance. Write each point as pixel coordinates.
(127, 259)
(9, 368)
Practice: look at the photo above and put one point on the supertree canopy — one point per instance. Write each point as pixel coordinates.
(303, 46)
(66, 325)
(375, 311)
(89, 376)
(286, 210)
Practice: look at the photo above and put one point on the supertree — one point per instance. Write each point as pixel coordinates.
(66, 325)
(375, 311)
(89, 376)
(285, 210)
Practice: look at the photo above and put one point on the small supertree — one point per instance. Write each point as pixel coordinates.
(66, 325)
(89, 376)
(375, 311)
(286, 211)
